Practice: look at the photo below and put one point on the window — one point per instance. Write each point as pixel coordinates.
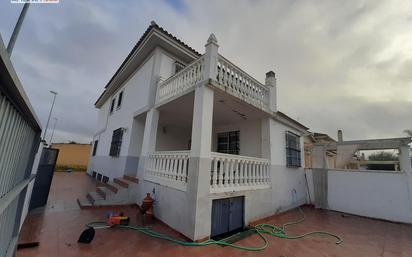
(95, 147)
(119, 100)
(112, 105)
(292, 150)
(228, 142)
(178, 67)
(116, 142)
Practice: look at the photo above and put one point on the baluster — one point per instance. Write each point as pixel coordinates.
(253, 176)
(231, 171)
(215, 173)
(174, 167)
(241, 175)
(184, 169)
(168, 173)
(160, 170)
(227, 164)
(221, 167)
(236, 171)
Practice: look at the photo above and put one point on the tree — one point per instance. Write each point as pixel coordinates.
(383, 156)
(408, 132)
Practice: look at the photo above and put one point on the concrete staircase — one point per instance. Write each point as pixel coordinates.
(122, 191)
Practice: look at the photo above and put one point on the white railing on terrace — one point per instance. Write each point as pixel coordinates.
(181, 81)
(236, 173)
(168, 168)
(235, 81)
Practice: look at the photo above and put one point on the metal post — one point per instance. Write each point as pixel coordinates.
(17, 28)
(54, 127)
(51, 109)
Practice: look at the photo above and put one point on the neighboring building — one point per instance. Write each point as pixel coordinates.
(72, 155)
(313, 138)
(201, 134)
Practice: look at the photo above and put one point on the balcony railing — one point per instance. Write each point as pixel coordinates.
(237, 173)
(236, 82)
(169, 168)
(181, 81)
(229, 78)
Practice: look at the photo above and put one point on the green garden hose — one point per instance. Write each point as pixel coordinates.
(260, 229)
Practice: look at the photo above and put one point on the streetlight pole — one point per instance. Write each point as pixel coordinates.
(17, 28)
(51, 109)
(54, 127)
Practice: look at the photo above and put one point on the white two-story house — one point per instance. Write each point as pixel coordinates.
(200, 134)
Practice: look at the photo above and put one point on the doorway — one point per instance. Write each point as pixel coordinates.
(227, 216)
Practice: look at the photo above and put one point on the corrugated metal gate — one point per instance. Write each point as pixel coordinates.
(227, 215)
(19, 142)
(44, 177)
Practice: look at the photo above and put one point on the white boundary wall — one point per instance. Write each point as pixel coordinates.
(383, 195)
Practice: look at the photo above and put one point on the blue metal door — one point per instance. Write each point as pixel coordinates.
(227, 215)
(236, 213)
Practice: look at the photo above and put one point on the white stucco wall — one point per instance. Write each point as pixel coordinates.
(284, 180)
(135, 98)
(249, 136)
(371, 194)
(172, 138)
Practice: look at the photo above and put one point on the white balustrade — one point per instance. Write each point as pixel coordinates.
(235, 81)
(181, 81)
(236, 173)
(168, 168)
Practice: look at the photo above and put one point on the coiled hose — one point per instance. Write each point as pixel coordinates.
(260, 229)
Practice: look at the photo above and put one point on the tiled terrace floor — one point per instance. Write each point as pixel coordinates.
(58, 228)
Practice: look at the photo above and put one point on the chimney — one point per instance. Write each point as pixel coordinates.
(340, 136)
(270, 82)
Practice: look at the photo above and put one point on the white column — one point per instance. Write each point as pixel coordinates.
(148, 146)
(150, 132)
(270, 81)
(198, 186)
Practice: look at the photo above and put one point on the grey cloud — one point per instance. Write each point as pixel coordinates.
(340, 64)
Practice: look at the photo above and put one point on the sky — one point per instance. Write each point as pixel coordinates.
(339, 64)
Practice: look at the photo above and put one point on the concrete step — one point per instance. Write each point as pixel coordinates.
(84, 203)
(121, 182)
(104, 191)
(111, 186)
(94, 196)
(131, 179)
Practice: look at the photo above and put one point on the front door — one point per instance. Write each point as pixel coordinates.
(227, 215)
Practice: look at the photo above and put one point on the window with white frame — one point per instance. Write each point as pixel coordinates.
(116, 144)
(293, 158)
(96, 142)
(228, 142)
(119, 100)
(112, 105)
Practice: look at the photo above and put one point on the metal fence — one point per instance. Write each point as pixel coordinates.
(19, 141)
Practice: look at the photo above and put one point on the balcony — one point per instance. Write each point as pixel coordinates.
(229, 173)
(227, 77)
(168, 168)
(232, 173)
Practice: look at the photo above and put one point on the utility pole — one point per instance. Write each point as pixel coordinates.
(51, 109)
(17, 28)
